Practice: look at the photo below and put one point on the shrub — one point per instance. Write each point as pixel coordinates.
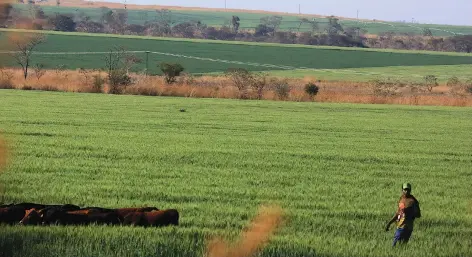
(242, 79)
(282, 89)
(453, 81)
(311, 89)
(171, 70)
(384, 87)
(431, 81)
(39, 70)
(118, 80)
(97, 84)
(6, 80)
(468, 86)
(259, 83)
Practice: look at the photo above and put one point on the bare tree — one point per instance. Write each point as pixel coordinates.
(39, 70)
(25, 46)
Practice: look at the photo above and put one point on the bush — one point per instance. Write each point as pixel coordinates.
(311, 89)
(453, 81)
(468, 86)
(385, 87)
(118, 79)
(6, 80)
(6, 84)
(171, 70)
(431, 81)
(242, 79)
(97, 84)
(282, 89)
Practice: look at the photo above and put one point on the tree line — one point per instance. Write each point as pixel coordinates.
(268, 30)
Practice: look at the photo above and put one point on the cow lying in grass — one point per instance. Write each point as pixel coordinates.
(13, 213)
(153, 218)
(89, 215)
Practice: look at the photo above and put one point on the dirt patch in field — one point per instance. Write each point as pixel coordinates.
(251, 240)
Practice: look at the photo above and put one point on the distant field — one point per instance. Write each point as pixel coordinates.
(404, 73)
(336, 169)
(251, 20)
(218, 56)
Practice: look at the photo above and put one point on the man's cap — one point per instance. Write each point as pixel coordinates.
(406, 186)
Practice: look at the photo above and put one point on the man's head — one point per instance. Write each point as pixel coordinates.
(406, 188)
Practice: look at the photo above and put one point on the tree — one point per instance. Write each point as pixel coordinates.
(462, 43)
(5, 10)
(242, 79)
(164, 19)
(263, 30)
(25, 46)
(63, 22)
(118, 64)
(333, 26)
(171, 70)
(427, 32)
(311, 89)
(235, 22)
(314, 26)
(431, 81)
(184, 29)
(258, 83)
(272, 22)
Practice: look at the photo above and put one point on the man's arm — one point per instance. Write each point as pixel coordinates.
(418, 210)
(394, 218)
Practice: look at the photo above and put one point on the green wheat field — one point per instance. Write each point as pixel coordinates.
(335, 169)
(327, 63)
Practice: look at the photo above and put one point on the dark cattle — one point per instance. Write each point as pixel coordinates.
(125, 211)
(153, 218)
(66, 218)
(31, 217)
(53, 208)
(35, 216)
(98, 209)
(27, 206)
(11, 215)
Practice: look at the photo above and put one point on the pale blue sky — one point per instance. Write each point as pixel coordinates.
(456, 12)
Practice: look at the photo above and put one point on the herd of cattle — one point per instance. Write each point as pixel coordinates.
(68, 214)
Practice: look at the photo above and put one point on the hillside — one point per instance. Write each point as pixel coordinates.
(203, 56)
(140, 14)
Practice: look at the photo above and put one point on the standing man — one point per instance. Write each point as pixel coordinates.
(408, 210)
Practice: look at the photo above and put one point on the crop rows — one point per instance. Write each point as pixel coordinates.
(269, 55)
(251, 20)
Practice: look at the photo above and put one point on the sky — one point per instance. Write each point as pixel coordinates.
(454, 12)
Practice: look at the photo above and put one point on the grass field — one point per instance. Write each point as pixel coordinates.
(223, 55)
(336, 170)
(251, 20)
(403, 73)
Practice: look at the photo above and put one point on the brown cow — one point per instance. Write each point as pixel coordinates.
(31, 217)
(153, 218)
(122, 212)
(15, 212)
(67, 218)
